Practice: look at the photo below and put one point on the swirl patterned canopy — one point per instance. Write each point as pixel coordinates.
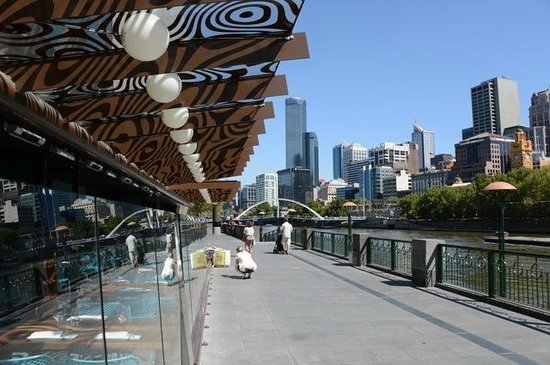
(65, 76)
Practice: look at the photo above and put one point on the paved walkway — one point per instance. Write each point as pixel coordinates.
(309, 308)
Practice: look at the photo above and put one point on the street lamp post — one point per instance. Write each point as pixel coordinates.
(349, 206)
(500, 188)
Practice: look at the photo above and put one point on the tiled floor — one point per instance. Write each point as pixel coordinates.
(308, 308)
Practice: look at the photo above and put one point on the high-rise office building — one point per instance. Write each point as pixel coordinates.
(338, 159)
(426, 146)
(354, 171)
(539, 121)
(247, 196)
(294, 183)
(311, 156)
(267, 186)
(372, 181)
(393, 155)
(485, 153)
(295, 127)
(495, 105)
(352, 152)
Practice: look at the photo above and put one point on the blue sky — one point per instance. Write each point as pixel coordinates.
(376, 66)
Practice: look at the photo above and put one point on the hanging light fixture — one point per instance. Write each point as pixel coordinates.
(187, 148)
(145, 37)
(175, 117)
(181, 136)
(205, 195)
(191, 158)
(195, 166)
(163, 88)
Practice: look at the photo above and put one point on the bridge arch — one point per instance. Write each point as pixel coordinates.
(280, 199)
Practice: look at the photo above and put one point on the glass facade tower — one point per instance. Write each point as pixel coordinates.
(539, 121)
(311, 156)
(295, 124)
(426, 146)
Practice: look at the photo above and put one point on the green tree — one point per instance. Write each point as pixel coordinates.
(530, 201)
(110, 224)
(200, 209)
(299, 210)
(336, 208)
(83, 229)
(264, 207)
(316, 206)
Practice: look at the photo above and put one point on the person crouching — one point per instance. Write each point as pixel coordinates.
(244, 263)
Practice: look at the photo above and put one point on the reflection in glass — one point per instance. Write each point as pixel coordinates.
(63, 289)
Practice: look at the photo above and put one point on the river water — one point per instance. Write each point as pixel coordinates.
(458, 238)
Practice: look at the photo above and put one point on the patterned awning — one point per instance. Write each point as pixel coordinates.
(65, 61)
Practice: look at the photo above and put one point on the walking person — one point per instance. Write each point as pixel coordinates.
(244, 263)
(286, 232)
(248, 236)
(131, 243)
(170, 245)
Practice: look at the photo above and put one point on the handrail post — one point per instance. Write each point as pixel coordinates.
(358, 243)
(491, 274)
(423, 261)
(261, 237)
(369, 251)
(439, 265)
(392, 255)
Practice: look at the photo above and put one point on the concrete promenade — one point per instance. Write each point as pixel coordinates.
(310, 308)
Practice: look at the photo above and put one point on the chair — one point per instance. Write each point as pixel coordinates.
(42, 359)
(123, 360)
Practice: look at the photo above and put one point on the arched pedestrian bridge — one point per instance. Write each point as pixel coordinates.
(280, 199)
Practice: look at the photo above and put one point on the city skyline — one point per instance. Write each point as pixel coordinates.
(396, 63)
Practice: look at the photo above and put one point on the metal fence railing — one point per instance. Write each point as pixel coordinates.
(337, 244)
(390, 254)
(519, 278)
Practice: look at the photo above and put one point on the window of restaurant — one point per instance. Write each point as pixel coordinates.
(85, 279)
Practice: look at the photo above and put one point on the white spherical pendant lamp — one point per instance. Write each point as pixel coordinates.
(195, 166)
(191, 158)
(181, 136)
(175, 117)
(163, 88)
(187, 148)
(145, 37)
(197, 174)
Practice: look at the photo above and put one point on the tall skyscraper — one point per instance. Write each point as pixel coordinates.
(539, 121)
(426, 146)
(295, 126)
(311, 156)
(495, 105)
(267, 186)
(338, 159)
